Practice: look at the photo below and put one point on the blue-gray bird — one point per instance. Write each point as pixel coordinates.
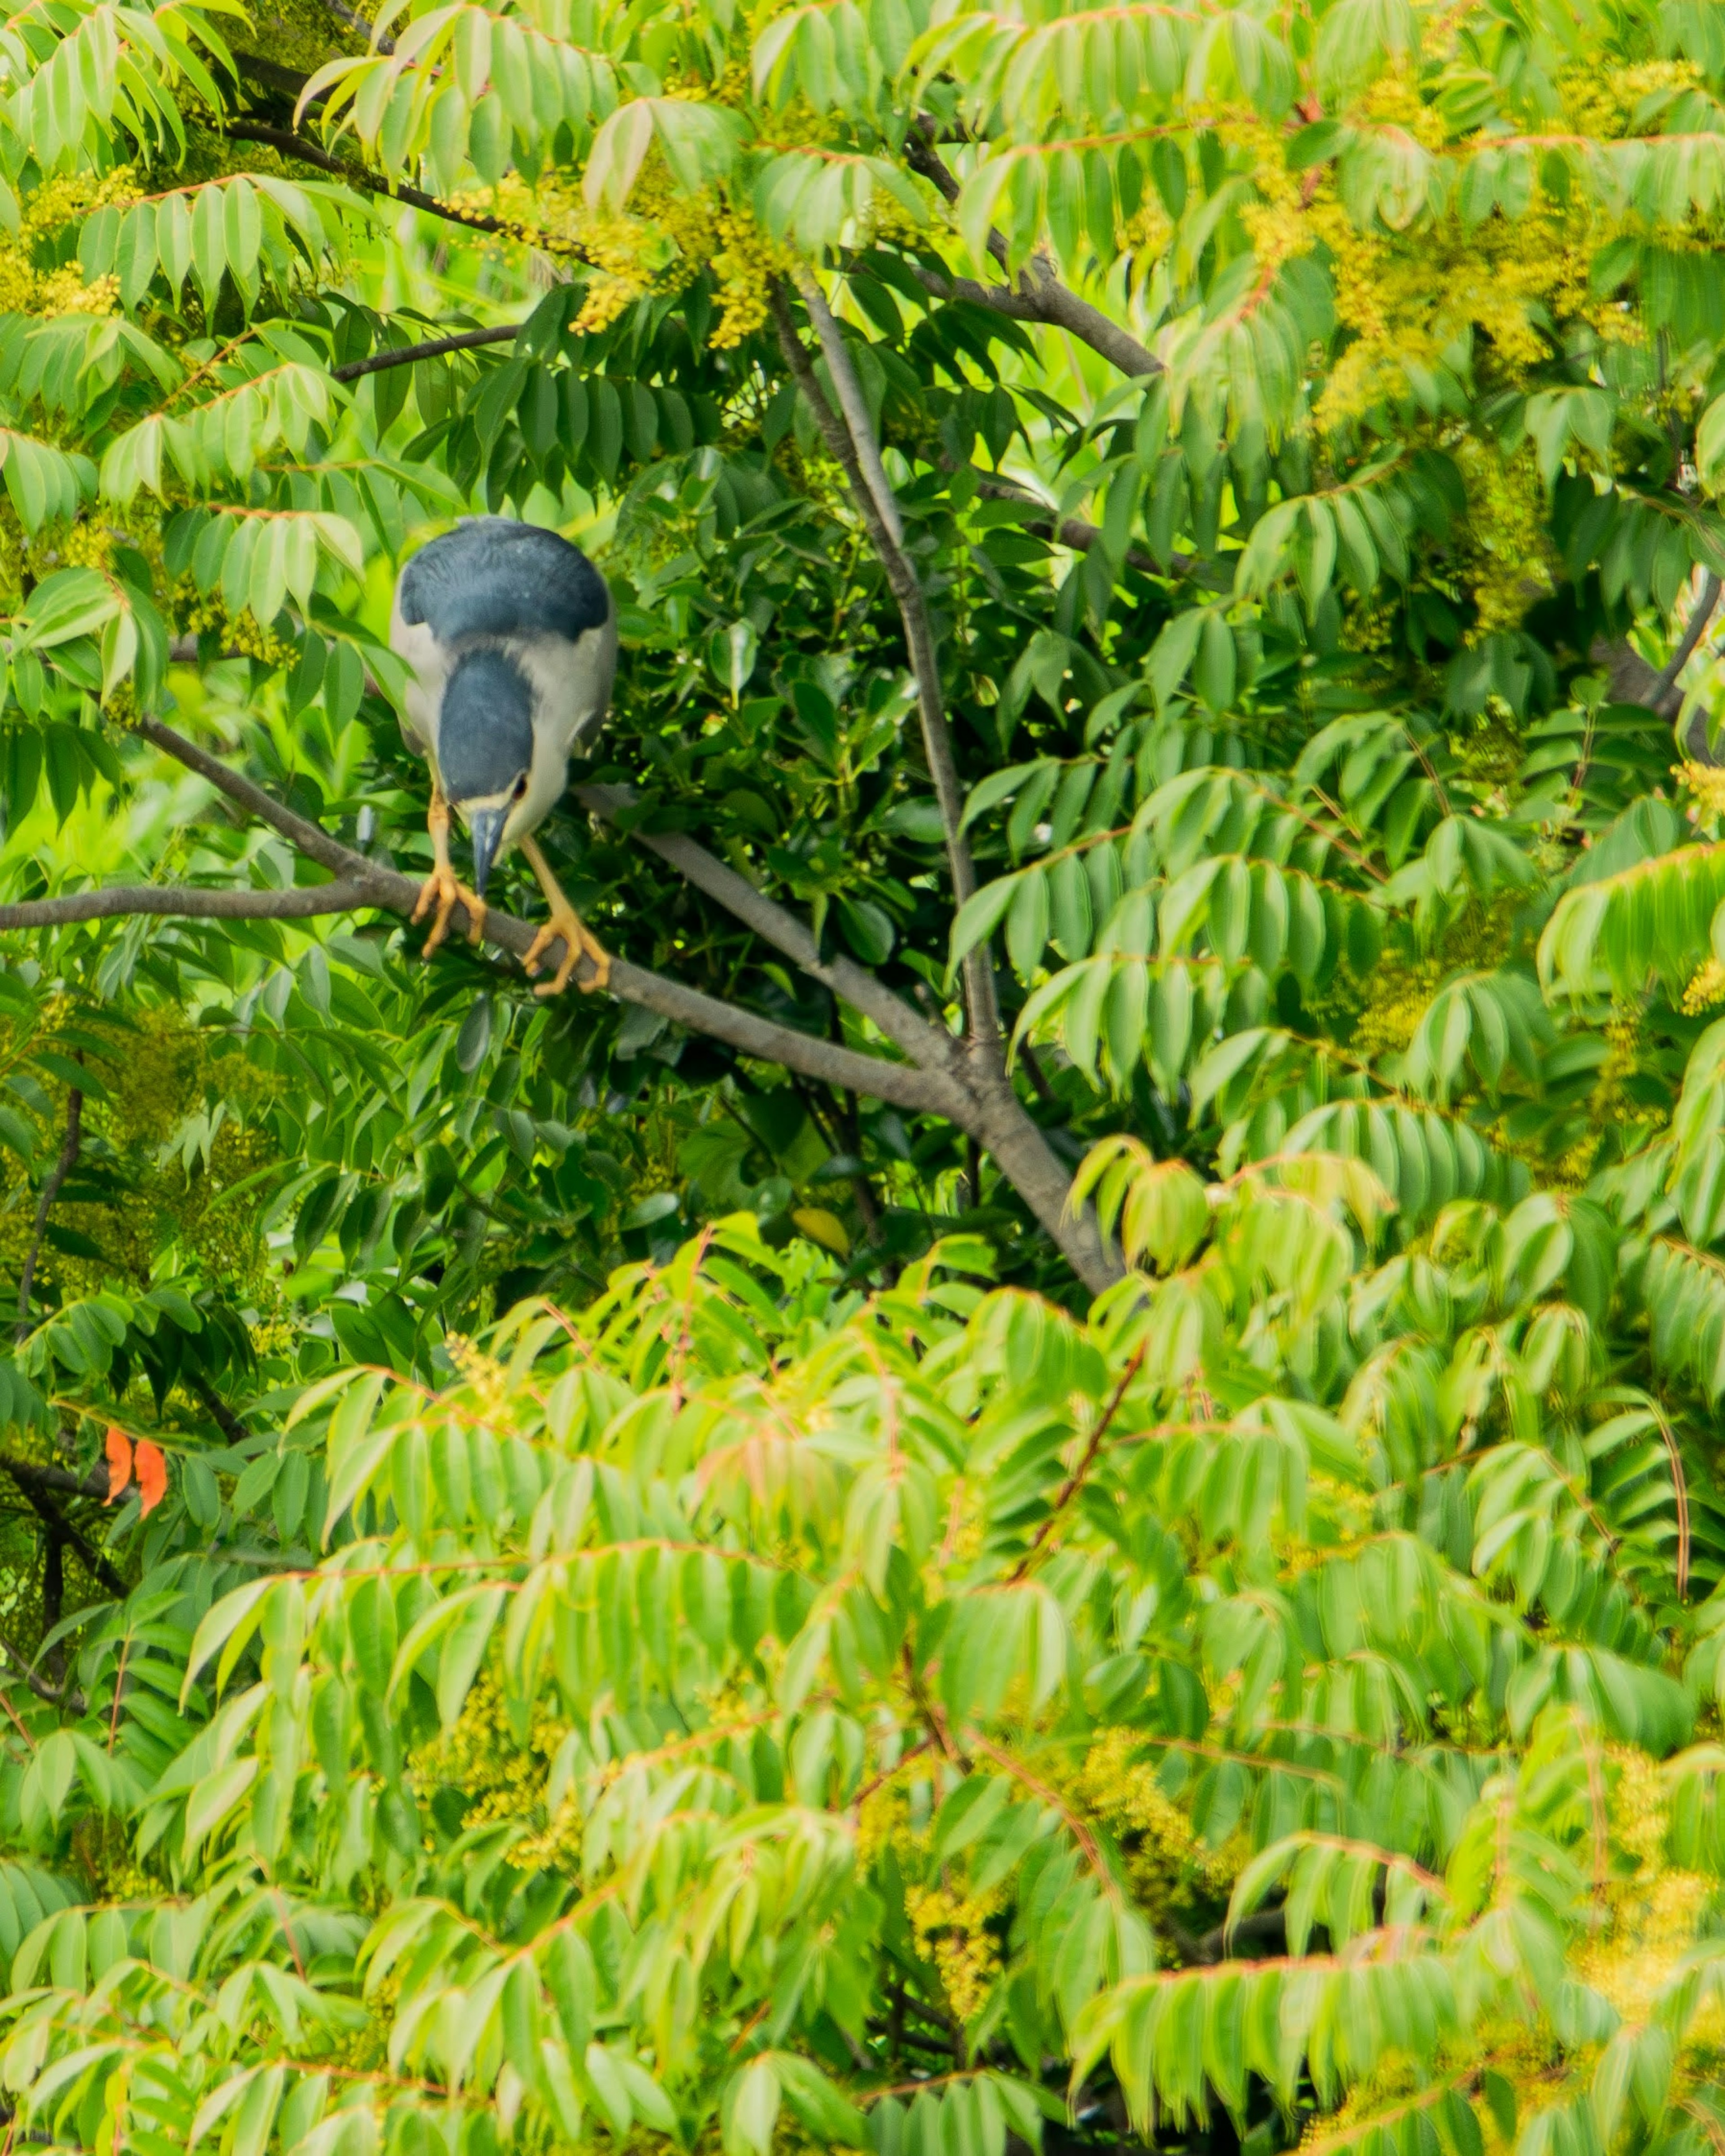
(511, 637)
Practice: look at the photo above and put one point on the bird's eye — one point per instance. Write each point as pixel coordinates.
(521, 786)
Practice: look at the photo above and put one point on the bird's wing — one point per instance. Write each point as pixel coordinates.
(492, 577)
(571, 682)
(423, 696)
(571, 689)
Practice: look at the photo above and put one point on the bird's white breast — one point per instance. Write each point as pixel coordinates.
(423, 696)
(572, 690)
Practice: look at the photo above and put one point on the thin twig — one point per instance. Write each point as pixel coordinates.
(1038, 1076)
(358, 22)
(1077, 532)
(1048, 301)
(217, 1409)
(56, 1696)
(1680, 1492)
(849, 390)
(1076, 1481)
(982, 1008)
(44, 1204)
(292, 144)
(849, 1123)
(406, 355)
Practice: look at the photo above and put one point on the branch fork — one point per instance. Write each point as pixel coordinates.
(963, 1080)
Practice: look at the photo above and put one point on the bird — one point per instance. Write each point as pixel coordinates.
(510, 636)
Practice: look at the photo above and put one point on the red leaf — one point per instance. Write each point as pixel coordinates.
(118, 1461)
(152, 1475)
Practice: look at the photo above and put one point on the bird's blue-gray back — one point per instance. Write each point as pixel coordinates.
(496, 578)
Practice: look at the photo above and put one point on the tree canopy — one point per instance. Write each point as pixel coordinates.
(1057, 1478)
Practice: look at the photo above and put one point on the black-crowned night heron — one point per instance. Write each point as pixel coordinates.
(512, 640)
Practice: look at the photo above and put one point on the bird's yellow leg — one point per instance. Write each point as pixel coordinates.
(565, 921)
(441, 888)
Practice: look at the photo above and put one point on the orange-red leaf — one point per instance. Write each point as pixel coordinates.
(152, 1475)
(118, 1461)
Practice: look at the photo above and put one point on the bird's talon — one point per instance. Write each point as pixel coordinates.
(441, 890)
(578, 942)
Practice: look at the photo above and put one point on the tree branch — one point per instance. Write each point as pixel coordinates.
(217, 1409)
(977, 1096)
(1700, 615)
(1039, 297)
(292, 144)
(1045, 300)
(285, 81)
(44, 1205)
(184, 902)
(39, 1686)
(1076, 532)
(924, 1042)
(31, 1473)
(343, 13)
(1634, 681)
(405, 355)
(35, 1483)
(1076, 1481)
(983, 1104)
(371, 885)
(853, 407)
(981, 1004)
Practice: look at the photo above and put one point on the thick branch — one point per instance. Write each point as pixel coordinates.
(1700, 615)
(975, 1096)
(372, 885)
(978, 973)
(44, 1205)
(925, 1044)
(31, 1474)
(1038, 295)
(405, 355)
(35, 1485)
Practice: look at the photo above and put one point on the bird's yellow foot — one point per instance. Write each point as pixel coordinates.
(578, 942)
(443, 890)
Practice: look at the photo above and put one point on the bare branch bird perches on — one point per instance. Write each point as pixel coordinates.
(941, 1075)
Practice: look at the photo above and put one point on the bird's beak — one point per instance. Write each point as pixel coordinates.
(484, 827)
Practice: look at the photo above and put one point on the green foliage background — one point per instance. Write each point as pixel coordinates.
(757, 1563)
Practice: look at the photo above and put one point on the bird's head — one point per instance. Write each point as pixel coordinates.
(485, 748)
